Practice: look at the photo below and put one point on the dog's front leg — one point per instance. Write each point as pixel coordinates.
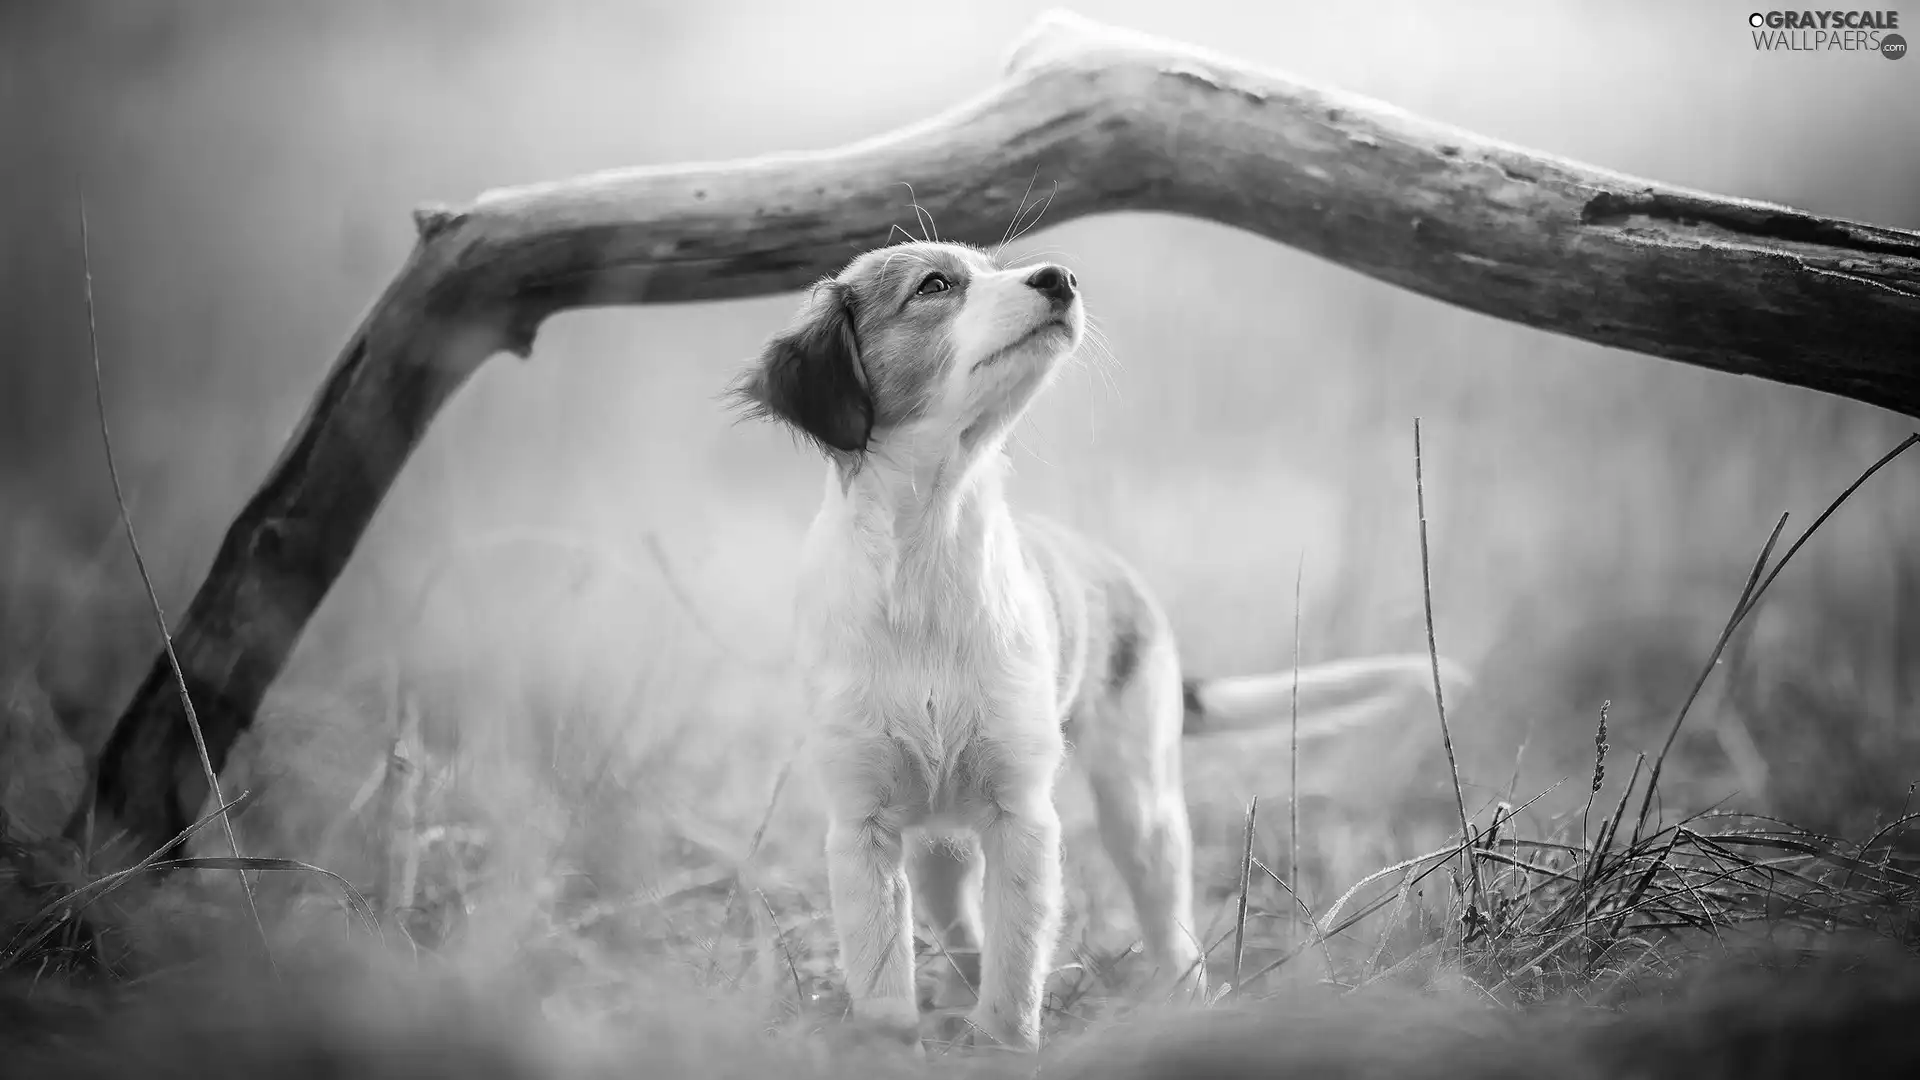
(872, 914)
(1021, 912)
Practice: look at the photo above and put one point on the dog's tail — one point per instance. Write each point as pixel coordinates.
(1333, 697)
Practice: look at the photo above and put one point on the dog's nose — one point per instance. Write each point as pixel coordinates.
(1056, 283)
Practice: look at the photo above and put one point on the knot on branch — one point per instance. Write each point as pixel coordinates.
(516, 337)
(435, 218)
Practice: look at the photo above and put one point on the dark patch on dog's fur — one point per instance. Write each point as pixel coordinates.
(809, 376)
(1123, 657)
(1195, 720)
(1129, 629)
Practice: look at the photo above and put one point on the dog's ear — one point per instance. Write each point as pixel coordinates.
(810, 375)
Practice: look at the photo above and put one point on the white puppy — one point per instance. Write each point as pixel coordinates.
(951, 651)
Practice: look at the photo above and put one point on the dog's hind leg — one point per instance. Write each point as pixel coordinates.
(1130, 747)
(1143, 826)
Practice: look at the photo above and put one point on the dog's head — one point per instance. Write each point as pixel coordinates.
(919, 341)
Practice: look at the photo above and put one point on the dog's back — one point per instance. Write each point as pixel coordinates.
(1102, 617)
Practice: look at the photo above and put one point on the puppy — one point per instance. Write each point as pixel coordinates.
(951, 651)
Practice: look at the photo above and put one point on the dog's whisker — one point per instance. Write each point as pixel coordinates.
(1093, 414)
(1100, 357)
(1020, 441)
(1100, 363)
(1039, 213)
(1100, 360)
(928, 232)
(1102, 346)
(1007, 234)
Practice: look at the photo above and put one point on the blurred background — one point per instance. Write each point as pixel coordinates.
(587, 569)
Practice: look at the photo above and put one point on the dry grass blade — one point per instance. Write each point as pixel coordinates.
(1489, 855)
(759, 836)
(953, 964)
(355, 901)
(1807, 847)
(1199, 962)
(1301, 904)
(146, 579)
(779, 939)
(404, 775)
(1401, 896)
(1679, 881)
(1533, 964)
(1439, 701)
(53, 915)
(1706, 672)
(1293, 742)
(1320, 933)
(1437, 858)
(1654, 866)
(1599, 768)
(1325, 927)
(1596, 858)
(1750, 598)
(1194, 989)
(1793, 548)
(1880, 835)
(1246, 883)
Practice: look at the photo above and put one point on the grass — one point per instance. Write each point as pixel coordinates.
(717, 942)
(1587, 904)
(557, 913)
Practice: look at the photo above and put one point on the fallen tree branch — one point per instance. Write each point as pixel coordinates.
(1121, 122)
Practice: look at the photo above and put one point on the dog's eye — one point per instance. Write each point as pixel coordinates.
(933, 283)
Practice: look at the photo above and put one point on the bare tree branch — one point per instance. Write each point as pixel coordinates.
(1119, 121)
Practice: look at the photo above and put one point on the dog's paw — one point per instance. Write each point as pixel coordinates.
(948, 1029)
(886, 1022)
(955, 1034)
(987, 1029)
(1177, 979)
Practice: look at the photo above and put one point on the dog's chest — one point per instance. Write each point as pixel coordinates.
(932, 653)
(931, 622)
